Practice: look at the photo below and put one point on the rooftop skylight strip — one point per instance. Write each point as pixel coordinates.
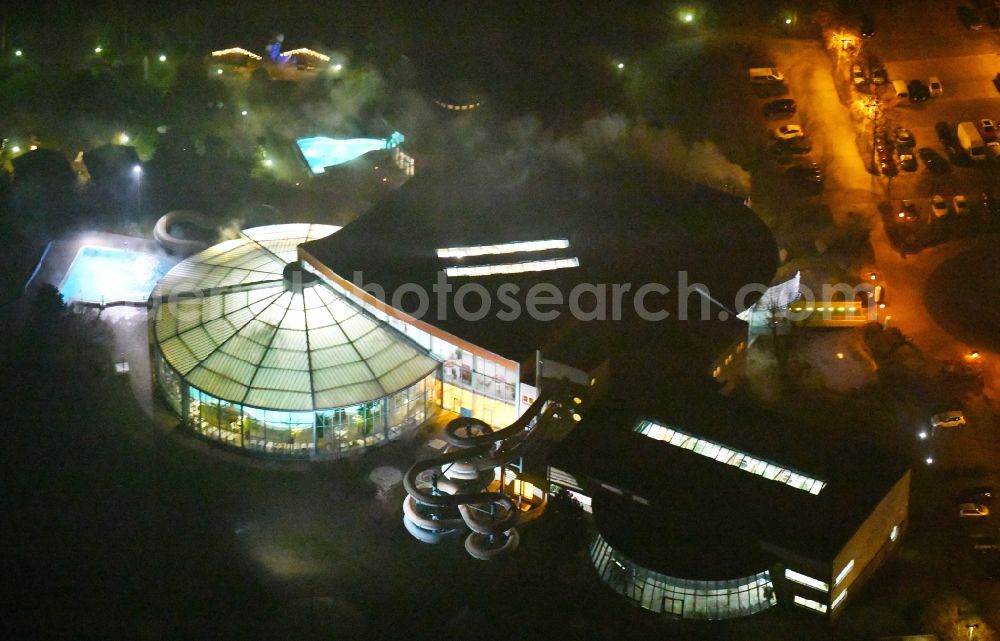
(503, 248)
(514, 268)
(735, 458)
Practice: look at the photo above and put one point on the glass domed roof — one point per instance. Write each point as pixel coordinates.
(228, 321)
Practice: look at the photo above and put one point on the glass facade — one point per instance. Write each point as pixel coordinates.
(324, 433)
(308, 372)
(472, 385)
(689, 599)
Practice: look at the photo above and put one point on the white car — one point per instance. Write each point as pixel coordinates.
(973, 510)
(954, 418)
(934, 84)
(939, 206)
(960, 204)
(788, 132)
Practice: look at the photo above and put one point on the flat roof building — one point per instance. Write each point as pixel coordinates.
(708, 508)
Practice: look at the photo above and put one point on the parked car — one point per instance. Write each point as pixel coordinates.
(857, 75)
(972, 510)
(879, 75)
(988, 129)
(969, 17)
(935, 163)
(935, 86)
(979, 494)
(907, 212)
(984, 541)
(886, 163)
(945, 134)
(867, 26)
(939, 206)
(787, 132)
(993, 150)
(906, 160)
(782, 106)
(960, 205)
(794, 146)
(918, 91)
(991, 204)
(904, 137)
(953, 418)
(808, 177)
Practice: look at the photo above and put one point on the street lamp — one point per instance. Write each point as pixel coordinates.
(687, 17)
(18, 53)
(137, 174)
(970, 627)
(163, 57)
(98, 49)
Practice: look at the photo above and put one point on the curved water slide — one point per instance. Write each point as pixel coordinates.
(457, 497)
(180, 246)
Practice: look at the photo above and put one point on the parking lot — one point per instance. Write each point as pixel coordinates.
(965, 61)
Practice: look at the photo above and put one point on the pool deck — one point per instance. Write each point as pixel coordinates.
(60, 257)
(128, 325)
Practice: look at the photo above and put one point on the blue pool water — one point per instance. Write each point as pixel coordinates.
(106, 274)
(322, 152)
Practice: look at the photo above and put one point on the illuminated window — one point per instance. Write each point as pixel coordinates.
(743, 461)
(503, 248)
(894, 534)
(809, 603)
(843, 573)
(514, 268)
(792, 575)
(840, 598)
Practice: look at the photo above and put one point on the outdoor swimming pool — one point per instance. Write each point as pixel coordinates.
(321, 152)
(105, 274)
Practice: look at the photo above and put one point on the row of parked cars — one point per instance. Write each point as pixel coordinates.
(789, 140)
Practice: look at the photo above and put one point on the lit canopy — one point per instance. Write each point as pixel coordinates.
(235, 51)
(230, 324)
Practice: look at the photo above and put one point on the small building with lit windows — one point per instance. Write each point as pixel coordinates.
(707, 509)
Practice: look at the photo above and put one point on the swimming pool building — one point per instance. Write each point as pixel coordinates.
(464, 289)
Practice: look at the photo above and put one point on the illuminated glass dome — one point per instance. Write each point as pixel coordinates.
(253, 351)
